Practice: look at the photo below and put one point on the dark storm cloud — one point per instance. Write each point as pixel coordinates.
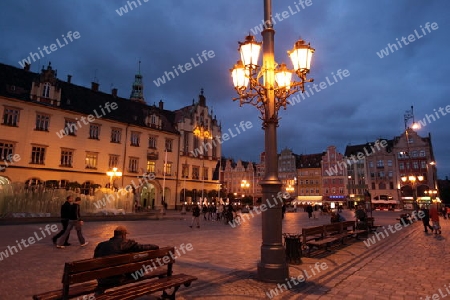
(346, 34)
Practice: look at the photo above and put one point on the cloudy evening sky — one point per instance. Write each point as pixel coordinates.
(347, 34)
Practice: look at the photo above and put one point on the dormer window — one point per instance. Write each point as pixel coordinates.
(46, 90)
(153, 121)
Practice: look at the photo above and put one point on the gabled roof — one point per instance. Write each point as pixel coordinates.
(309, 160)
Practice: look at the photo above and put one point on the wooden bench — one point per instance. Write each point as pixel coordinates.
(370, 223)
(316, 236)
(152, 272)
(353, 231)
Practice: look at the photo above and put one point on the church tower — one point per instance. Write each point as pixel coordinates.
(137, 90)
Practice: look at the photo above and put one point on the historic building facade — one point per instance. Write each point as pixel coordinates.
(57, 134)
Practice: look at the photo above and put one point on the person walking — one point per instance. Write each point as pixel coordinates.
(426, 219)
(434, 216)
(74, 221)
(309, 210)
(195, 216)
(65, 212)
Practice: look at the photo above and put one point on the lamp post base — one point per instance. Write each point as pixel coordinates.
(276, 273)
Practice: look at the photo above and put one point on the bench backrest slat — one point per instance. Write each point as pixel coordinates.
(347, 224)
(101, 267)
(333, 227)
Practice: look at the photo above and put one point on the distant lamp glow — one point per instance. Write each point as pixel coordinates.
(415, 126)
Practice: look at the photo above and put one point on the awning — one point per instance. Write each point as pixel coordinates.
(309, 198)
(385, 202)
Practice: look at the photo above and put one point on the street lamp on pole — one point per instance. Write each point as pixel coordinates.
(413, 181)
(202, 133)
(245, 185)
(268, 97)
(112, 174)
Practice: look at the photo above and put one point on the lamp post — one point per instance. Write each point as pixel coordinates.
(245, 185)
(413, 181)
(202, 133)
(268, 97)
(112, 174)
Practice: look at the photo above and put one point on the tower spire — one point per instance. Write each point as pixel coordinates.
(137, 89)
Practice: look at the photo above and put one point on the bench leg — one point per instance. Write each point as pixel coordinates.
(171, 296)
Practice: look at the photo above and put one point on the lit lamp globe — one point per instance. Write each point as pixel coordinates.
(301, 56)
(249, 51)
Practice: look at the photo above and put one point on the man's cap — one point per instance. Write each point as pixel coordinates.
(121, 229)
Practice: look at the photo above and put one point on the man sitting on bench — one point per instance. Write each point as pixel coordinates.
(119, 244)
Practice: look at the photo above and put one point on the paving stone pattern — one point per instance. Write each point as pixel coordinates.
(408, 264)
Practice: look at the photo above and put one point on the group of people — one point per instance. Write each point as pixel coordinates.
(432, 214)
(70, 218)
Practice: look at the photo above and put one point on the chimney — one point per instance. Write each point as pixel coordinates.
(161, 104)
(114, 92)
(94, 86)
(27, 66)
(69, 78)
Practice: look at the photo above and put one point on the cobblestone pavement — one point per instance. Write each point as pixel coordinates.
(407, 264)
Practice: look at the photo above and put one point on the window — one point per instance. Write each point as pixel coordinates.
(133, 165)
(135, 138)
(415, 164)
(422, 153)
(186, 143)
(6, 150)
(380, 174)
(11, 116)
(94, 131)
(205, 173)
(151, 166)
(113, 161)
(373, 185)
(372, 175)
(401, 166)
(380, 164)
(370, 164)
(42, 121)
(414, 153)
(389, 163)
(390, 174)
(423, 164)
(168, 145)
(38, 155)
(66, 158)
(168, 169)
(185, 171)
(70, 127)
(333, 190)
(46, 90)
(152, 142)
(91, 160)
(391, 185)
(116, 134)
(382, 186)
(341, 190)
(195, 172)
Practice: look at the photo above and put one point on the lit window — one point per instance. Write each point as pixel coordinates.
(91, 160)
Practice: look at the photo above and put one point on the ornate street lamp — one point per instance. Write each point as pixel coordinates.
(202, 133)
(112, 174)
(269, 96)
(413, 181)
